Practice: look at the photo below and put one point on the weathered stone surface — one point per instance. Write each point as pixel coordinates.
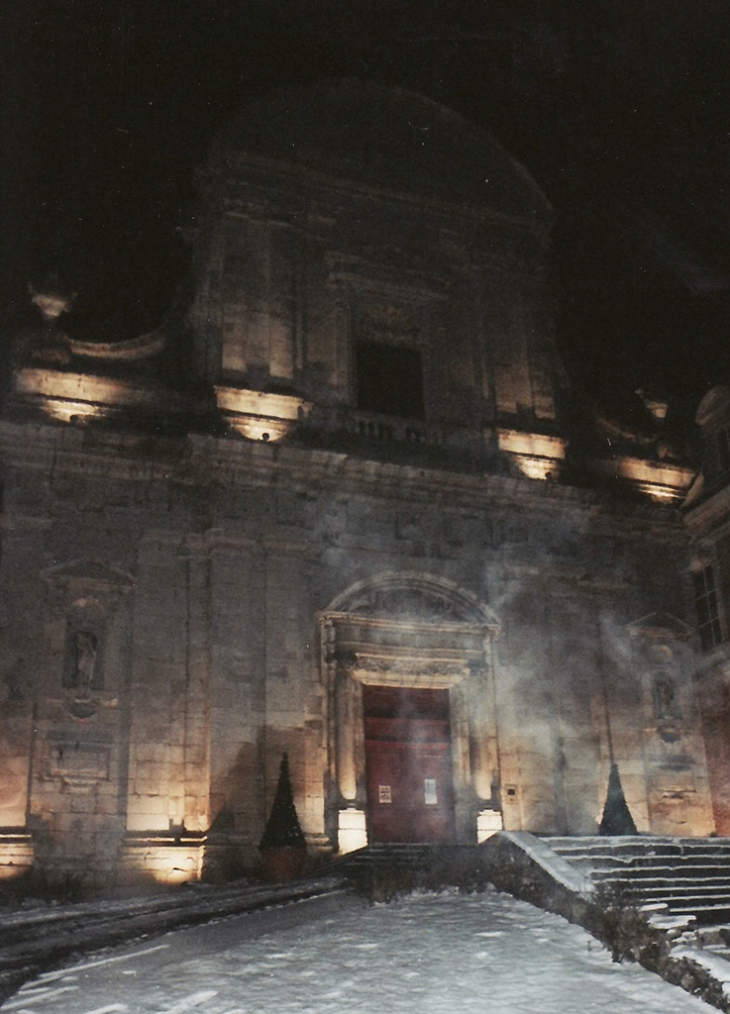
(240, 581)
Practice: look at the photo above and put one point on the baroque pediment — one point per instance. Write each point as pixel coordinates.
(387, 138)
(414, 599)
(661, 625)
(90, 574)
(407, 605)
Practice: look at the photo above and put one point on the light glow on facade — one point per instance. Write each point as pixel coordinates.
(165, 859)
(660, 481)
(351, 831)
(71, 411)
(69, 396)
(258, 415)
(488, 823)
(537, 455)
(16, 854)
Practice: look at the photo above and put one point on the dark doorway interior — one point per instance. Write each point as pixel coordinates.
(408, 753)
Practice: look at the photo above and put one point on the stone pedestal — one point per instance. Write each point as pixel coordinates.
(16, 852)
(351, 831)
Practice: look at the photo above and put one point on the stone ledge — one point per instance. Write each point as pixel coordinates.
(17, 852)
(230, 461)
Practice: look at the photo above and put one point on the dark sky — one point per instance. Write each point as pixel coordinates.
(620, 109)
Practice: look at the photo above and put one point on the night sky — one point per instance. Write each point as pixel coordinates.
(620, 109)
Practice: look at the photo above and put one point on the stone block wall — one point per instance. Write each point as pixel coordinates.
(212, 660)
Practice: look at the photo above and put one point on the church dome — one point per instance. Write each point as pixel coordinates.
(390, 138)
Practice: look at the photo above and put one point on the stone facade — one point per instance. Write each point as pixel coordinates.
(346, 470)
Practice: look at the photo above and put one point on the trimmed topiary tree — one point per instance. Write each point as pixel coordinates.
(283, 846)
(617, 817)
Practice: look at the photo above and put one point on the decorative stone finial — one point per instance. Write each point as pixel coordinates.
(51, 298)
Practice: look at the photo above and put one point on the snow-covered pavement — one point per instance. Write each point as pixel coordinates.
(425, 954)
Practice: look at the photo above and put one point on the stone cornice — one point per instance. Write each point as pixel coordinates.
(710, 514)
(203, 460)
(267, 165)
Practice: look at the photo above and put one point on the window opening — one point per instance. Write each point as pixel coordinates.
(389, 379)
(708, 614)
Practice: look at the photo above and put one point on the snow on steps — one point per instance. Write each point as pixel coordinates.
(563, 880)
(535, 869)
(691, 876)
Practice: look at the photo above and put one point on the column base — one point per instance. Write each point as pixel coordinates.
(488, 823)
(16, 852)
(165, 857)
(351, 831)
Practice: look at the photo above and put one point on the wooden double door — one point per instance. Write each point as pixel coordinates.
(410, 786)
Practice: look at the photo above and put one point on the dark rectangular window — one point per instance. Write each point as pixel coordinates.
(389, 379)
(708, 615)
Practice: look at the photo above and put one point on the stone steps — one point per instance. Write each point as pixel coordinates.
(688, 875)
(385, 871)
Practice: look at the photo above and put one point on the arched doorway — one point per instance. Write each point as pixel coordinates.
(412, 727)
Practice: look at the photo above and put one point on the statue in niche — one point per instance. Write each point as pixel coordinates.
(666, 705)
(85, 647)
(81, 661)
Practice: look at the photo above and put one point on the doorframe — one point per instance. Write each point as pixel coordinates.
(410, 631)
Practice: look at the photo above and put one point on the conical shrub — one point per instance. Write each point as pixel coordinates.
(283, 829)
(617, 817)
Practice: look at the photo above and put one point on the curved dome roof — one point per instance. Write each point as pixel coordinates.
(715, 402)
(387, 137)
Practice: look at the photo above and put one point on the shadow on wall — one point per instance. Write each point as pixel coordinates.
(239, 807)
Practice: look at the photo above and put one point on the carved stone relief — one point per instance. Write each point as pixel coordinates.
(78, 764)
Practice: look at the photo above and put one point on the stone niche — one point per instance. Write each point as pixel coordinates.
(76, 798)
(678, 795)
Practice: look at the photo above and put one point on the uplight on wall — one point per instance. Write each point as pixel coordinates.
(662, 482)
(67, 396)
(16, 854)
(537, 455)
(167, 862)
(260, 415)
(71, 411)
(488, 823)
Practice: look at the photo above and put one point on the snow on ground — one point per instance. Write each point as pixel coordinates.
(425, 954)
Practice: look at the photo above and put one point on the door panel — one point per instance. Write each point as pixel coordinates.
(409, 776)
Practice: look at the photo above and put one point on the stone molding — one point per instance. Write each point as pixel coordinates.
(442, 600)
(710, 516)
(238, 162)
(199, 459)
(410, 630)
(89, 575)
